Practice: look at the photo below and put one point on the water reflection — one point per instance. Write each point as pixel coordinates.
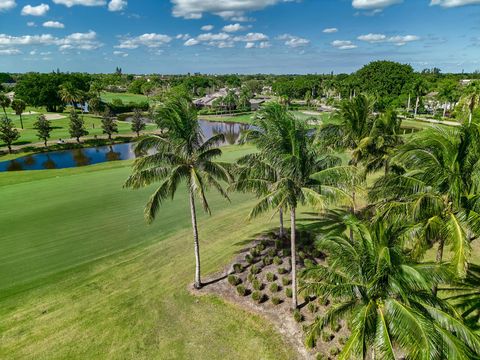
(88, 156)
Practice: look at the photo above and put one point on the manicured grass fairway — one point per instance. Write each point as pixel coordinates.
(125, 97)
(83, 276)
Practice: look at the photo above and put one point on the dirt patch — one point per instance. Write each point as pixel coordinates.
(54, 116)
(256, 269)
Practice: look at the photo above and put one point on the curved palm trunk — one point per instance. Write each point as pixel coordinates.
(198, 282)
(445, 109)
(416, 105)
(21, 121)
(281, 232)
(294, 257)
(409, 102)
(439, 259)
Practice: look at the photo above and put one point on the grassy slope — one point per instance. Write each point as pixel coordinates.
(125, 97)
(130, 305)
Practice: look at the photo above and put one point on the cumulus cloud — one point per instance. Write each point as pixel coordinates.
(330, 30)
(398, 40)
(70, 3)
(117, 5)
(39, 10)
(344, 44)
(120, 53)
(7, 5)
(207, 28)
(374, 4)
(227, 9)
(234, 28)
(79, 41)
(226, 40)
(31, 24)
(151, 40)
(454, 3)
(53, 24)
(10, 52)
(293, 41)
(191, 42)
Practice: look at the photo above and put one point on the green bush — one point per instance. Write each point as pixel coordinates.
(233, 280)
(277, 260)
(286, 281)
(241, 290)
(254, 252)
(343, 340)
(297, 316)
(274, 287)
(282, 271)
(308, 263)
(271, 277)
(321, 357)
(257, 296)
(257, 284)
(251, 277)
(267, 260)
(254, 270)
(249, 259)
(336, 327)
(276, 300)
(327, 337)
(285, 252)
(335, 351)
(301, 255)
(324, 301)
(272, 252)
(312, 307)
(288, 292)
(238, 268)
(260, 247)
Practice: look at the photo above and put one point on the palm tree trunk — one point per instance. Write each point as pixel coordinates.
(21, 121)
(281, 232)
(445, 109)
(441, 246)
(354, 209)
(416, 105)
(470, 117)
(294, 257)
(198, 282)
(409, 101)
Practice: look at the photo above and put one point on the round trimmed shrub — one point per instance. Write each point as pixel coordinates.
(254, 270)
(257, 296)
(260, 247)
(272, 252)
(282, 271)
(257, 284)
(286, 281)
(276, 300)
(241, 290)
(327, 337)
(297, 316)
(288, 292)
(254, 252)
(285, 252)
(343, 340)
(267, 260)
(233, 280)
(277, 260)
(321, 357)
(271, 277)
(251, 277)
(312, 307)
(249, 259)
(335, 351)
(238, 268)
(274, 287)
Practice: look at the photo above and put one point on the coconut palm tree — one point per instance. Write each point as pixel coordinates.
(386, 297)
(419, 90)
(448, 93)
(180, 154)
(471, 98)
(19, 107)
(289, 172)
(70, 94)
(437, 190)
(4, 103)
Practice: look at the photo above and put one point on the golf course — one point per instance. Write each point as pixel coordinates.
(83, 276)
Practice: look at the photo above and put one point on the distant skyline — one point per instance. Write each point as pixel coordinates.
(237, 36)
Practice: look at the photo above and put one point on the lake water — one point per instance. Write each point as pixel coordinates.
(89, 156)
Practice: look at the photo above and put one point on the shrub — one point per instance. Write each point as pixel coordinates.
(297, 316)
(260, 247)
(321, 357)
(241, 290)
(257, 284)
(308, 263)
(264, 243)
(251, 277)
(327, 337)
(286, 281)
(254, 270)
(336, 327)
(274, 287)
(285, 252)
(277, 260)
(257, 296)
(238, 268)
(233, 280)
(312, 307)
(324, 301)
(343, 340)
(282, 271)
(271, 277)
(301, 255)
(335, 351)
(272, 252)
(267, 260)
(288, 292)
(276, 300)
(254, 252)
(249, 259)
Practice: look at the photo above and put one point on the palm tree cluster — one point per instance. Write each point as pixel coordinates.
(425, 197)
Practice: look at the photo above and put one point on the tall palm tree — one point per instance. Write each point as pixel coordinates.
(4, 103)
(19, 107)
(70, 94)
(419, 90)
(290, 172)
(437, 190)
(471, 98)
(180, 155)
(448, 93)
(386, 297)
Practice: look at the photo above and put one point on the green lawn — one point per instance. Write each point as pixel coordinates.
(125, 97)
(83, 276)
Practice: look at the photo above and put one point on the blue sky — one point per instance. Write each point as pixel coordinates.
(237, 36)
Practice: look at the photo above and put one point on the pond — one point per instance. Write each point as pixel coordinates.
(95, 155)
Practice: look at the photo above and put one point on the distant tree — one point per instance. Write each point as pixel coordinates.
(230, 101)
(137, 122)
(471, 97)
(77, 126)
(95, 104)
(44, 128)
(19, 107)
(109, 125)
(4, 103)
(419, 90)
(255, 86)
(96, 88)
(8, 134)
(69, 94)
(448, 92)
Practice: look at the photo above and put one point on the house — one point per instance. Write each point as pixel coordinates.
(208, 100)
(256, 104)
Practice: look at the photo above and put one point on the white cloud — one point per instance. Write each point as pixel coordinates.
(381, 38)
(7, 5)
(151, 40)
(374, 4)
(31, 24)
(120, 53)
(207, 28)
(182, 37)
(227, 9)
(117, 5)
(261, 45)
(344, 44)
(234, 28)
(39, 10)
(70, 3)
(293, 41)
(251, 37)
(453, 3)
(330, 30)
(225, 40)
(10, 52)
(53, 24)
(191, 42)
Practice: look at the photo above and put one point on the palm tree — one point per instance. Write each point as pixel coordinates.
(19, 107)
(4, 103)
(437, 190)
(471, 98)
(386, 297)
(180, 154)
(448, 93)
(289, 172)
(70, 94)
(419, 90)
